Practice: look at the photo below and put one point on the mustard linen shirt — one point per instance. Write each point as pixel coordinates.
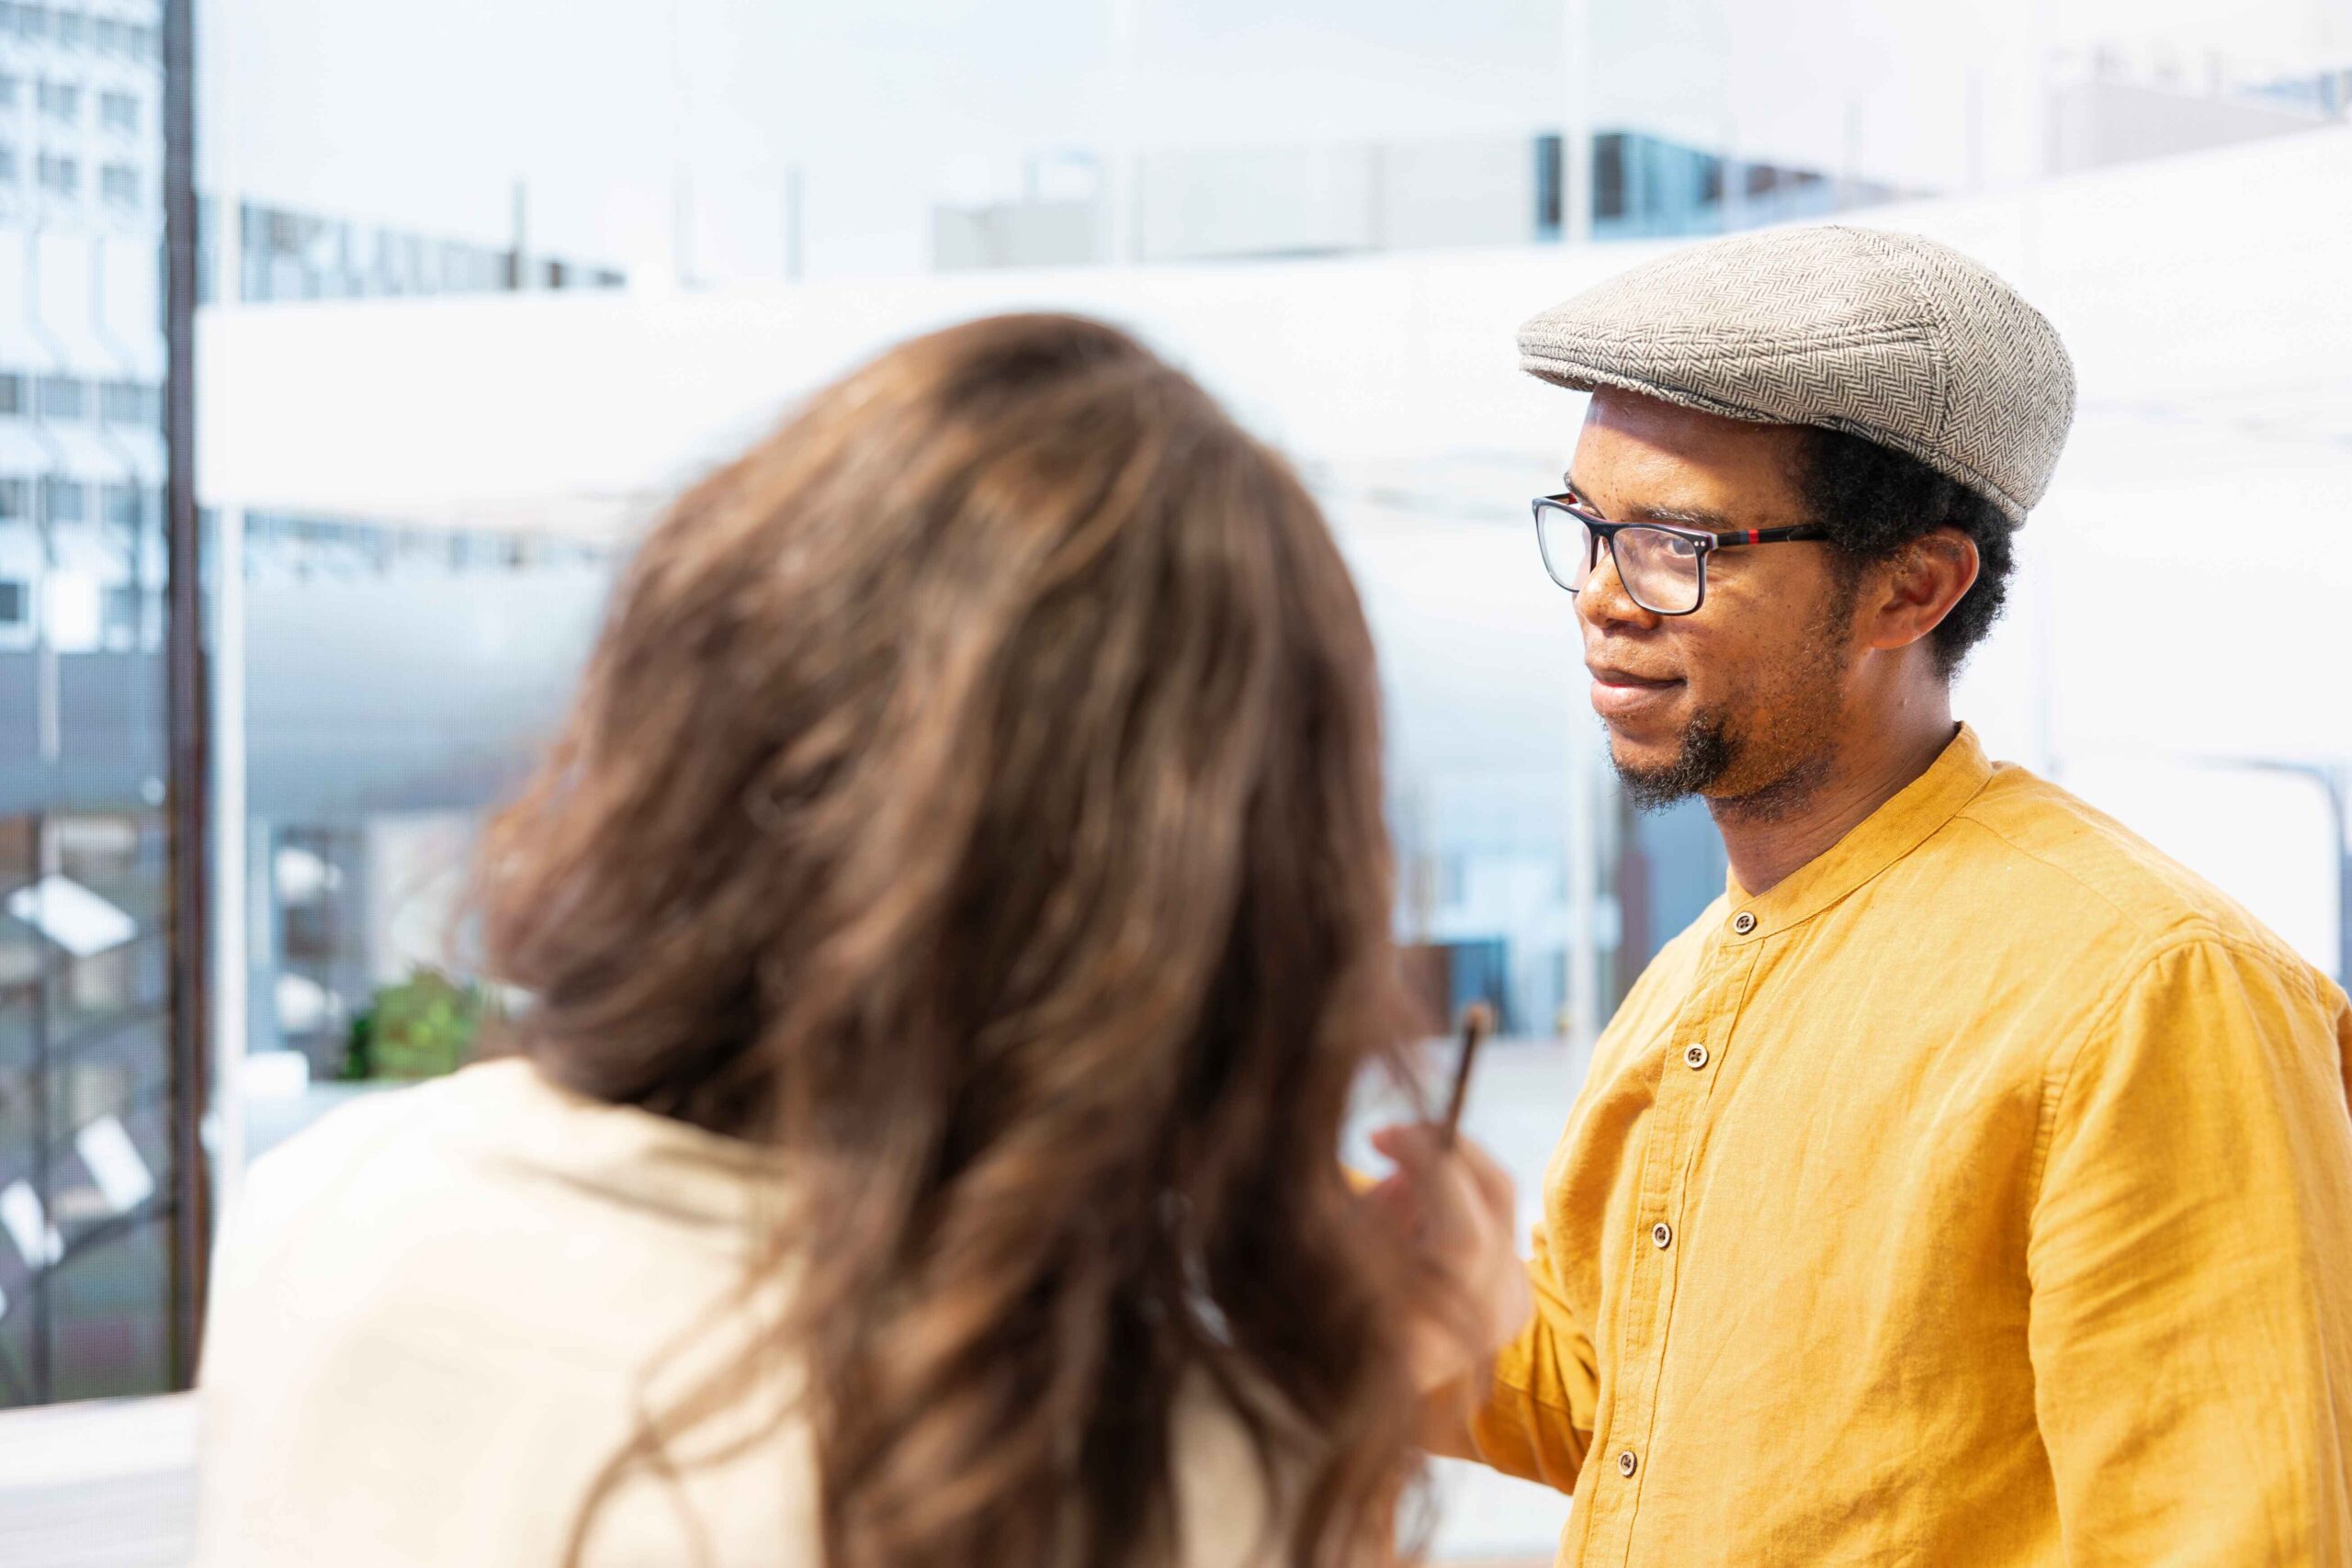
(1980, 1195)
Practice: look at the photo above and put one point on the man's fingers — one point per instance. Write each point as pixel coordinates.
(1394, 1197)
(1456, 1205)
(1494, 1182)
(1424, 1156)
(1415, 1145)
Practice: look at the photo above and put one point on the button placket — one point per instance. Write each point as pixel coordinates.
(1640, 1331)
(1646, 1329)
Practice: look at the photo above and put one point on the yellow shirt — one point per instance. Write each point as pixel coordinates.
(1981, 1195)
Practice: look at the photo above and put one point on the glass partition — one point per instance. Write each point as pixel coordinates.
(87, 1106)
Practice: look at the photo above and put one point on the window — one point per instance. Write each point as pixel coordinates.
(130, 402)
(121, 612)
(62, 500)
(69, 28)
(15, 600)
(123, 504)
(107, 34)
(61, 100)
(118, 111)
(61, 175)
(8, 90)
(32, 21)
(15, 499)
(63, 397)
(12, 393)
(1608, 175)
(7, 165)
(119, 184)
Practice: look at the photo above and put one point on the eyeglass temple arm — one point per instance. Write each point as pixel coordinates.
(1772, 535)
(1567, 501)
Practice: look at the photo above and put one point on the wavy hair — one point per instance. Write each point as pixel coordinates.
(975, 795)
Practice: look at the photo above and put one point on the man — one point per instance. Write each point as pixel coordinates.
(1971, 1185)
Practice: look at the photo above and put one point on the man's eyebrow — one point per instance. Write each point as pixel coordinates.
(1688, 517)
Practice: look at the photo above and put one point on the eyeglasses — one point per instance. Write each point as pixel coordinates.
(1662, 565)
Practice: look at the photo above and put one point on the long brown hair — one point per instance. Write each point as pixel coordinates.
(976, 796)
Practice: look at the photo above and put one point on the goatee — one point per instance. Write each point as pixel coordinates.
(1705, 755)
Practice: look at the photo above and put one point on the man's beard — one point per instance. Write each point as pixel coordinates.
(1708, 754)
(1797, 744)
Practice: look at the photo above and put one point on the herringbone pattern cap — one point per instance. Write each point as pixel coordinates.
(1884, 335)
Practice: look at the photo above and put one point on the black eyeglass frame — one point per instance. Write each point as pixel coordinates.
(1703, 543)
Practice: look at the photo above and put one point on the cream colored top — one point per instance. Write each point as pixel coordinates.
(437, 1314)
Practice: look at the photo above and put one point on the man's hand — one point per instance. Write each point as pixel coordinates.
(1452, 1208)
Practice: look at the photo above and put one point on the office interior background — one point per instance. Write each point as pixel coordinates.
(479, 285)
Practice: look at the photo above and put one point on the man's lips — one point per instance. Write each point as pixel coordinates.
(1622, 693)
(1612, 675)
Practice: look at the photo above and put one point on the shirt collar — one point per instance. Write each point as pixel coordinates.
(1885, 836)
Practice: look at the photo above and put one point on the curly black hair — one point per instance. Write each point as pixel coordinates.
(1874, 500)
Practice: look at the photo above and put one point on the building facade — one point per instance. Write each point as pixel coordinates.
(85, 1090)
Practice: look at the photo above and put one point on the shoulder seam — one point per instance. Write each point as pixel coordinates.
(1967, 813)
(2201, 925)
(2060, 1077)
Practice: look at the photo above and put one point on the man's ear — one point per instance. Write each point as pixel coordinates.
(1924, 581)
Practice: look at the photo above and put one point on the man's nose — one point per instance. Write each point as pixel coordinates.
(1603, 602)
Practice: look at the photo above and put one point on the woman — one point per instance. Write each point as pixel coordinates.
(954, 918)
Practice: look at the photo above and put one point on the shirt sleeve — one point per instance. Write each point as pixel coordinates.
(2190, 1262)
(1533, 1417)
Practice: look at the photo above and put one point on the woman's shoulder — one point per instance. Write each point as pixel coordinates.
(356, 1130)
(470, 1266)
(490, 1218)
(320, 1164)
(503, 1131)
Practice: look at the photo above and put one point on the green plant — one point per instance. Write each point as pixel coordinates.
(422, 1028)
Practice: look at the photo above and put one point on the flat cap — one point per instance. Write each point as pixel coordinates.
(1887, 336)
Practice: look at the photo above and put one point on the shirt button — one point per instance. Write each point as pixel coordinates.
(1695, 1057)
(1661, 1235)
(1627, 1463)
(1743, 922)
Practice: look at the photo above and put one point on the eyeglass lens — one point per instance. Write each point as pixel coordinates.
(1659, 570)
